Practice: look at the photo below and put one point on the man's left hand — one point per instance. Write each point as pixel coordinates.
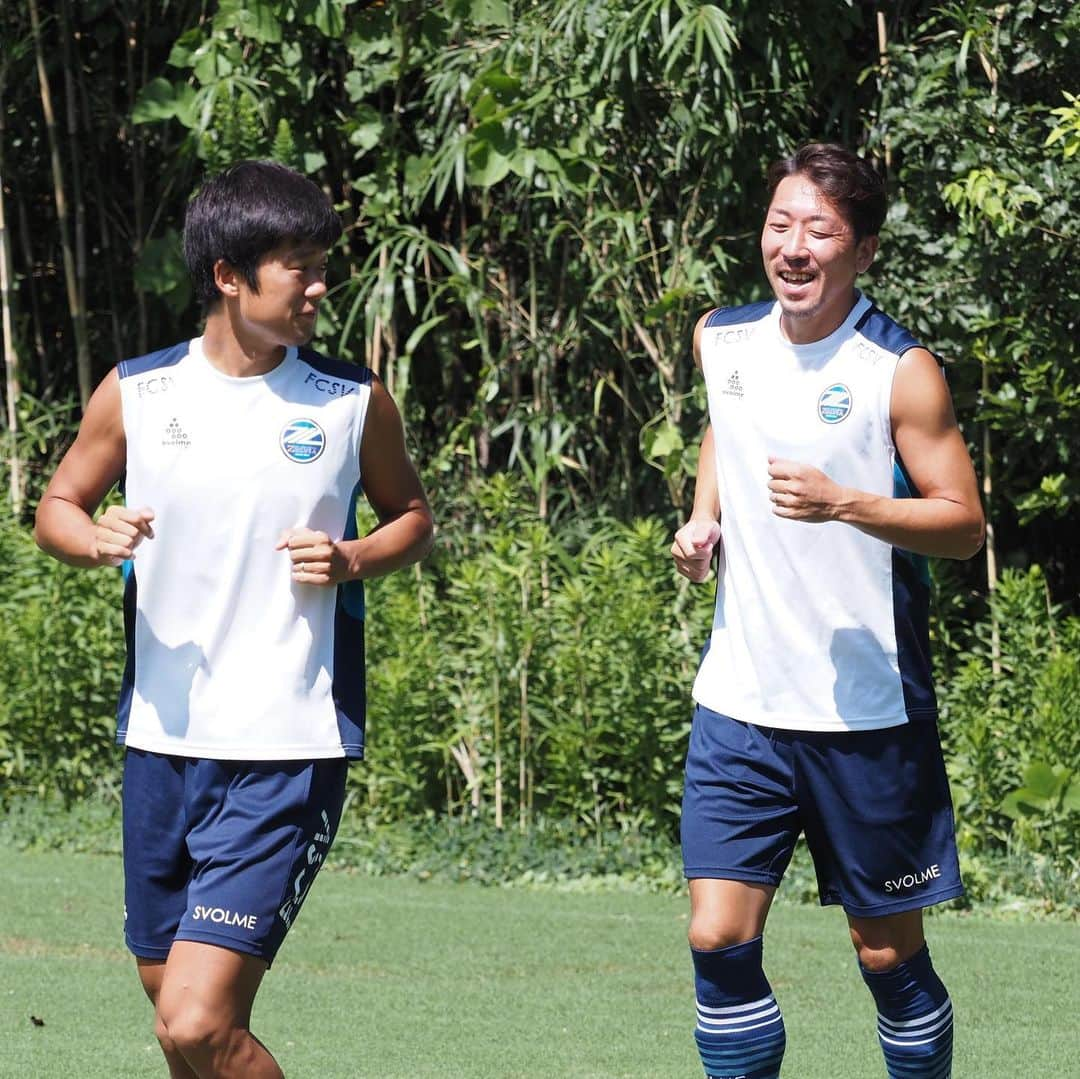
(803, 493)
(316, 559)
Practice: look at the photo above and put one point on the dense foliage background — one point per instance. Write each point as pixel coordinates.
(541, 196)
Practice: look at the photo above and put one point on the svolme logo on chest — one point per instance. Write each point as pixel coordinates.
(302, 440)
(175, 437)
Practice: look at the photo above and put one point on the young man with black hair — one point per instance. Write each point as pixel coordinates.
(241, 454)
(831, 466)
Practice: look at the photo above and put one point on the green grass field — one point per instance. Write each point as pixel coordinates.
(393, 978)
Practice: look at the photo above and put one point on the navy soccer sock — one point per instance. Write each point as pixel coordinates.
(740, 1031)
(915, 1024)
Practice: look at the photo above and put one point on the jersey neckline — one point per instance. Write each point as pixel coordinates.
(813, 350)
(198, 354)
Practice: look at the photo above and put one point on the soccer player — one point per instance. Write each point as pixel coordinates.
(831, 466)
(241, 454)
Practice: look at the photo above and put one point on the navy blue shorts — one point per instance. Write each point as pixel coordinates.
(874, 806)
(223, 852)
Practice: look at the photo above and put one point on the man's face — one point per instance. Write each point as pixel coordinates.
(292, 281)
(811, 259)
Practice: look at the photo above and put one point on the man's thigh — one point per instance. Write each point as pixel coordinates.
(740, 817)
(879, 819)
(157, 865)
(254, 837)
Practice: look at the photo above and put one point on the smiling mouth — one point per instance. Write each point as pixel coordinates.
(794, 277)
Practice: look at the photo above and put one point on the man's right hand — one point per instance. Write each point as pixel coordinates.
(693, 548)
(118, 531)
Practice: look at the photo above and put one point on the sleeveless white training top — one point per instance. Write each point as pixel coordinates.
(227, 657)
(818, 627)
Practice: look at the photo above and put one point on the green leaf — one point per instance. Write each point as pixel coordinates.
(486, 165)
(490, 150)
(329, 18)
(160, 100)
(422, 331)
(161, 270)
(184, 48)
(253, 19)
(1044, 781)
(666, 440)
(504, 88)
(368, 128)
(482, 12)
(1016, 807)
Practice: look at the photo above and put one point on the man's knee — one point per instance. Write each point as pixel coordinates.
(880, 959)
(707, 933)
(194, 1031)
(884, 943)
(726, 912)
(161, 1032)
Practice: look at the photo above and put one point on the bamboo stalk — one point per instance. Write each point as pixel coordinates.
(75, 152)
(44, 370)
(524, 733)
(883, 71)
(991, 547)
(78, 313)
(130, 28)
(11, 352)
(496, 695)
(104, 229)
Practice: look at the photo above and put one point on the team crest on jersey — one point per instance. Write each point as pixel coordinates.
(302, 441)
(834, 404)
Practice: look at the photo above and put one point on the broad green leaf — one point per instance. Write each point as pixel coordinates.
(667, 441)
(329, 18)
(161, 270)
(368, 128)
(504, 88)
(163, 100)
(253, 19)
(1016, 807)
(1043, 780)
(486, 165)
(482, 12)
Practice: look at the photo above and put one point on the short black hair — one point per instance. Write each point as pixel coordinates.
(245, 212)
(846, 179)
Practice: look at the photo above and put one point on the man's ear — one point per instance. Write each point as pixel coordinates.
(226, 279)
(865, 250)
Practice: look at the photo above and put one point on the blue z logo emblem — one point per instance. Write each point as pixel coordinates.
(834, 404)
(302, 441)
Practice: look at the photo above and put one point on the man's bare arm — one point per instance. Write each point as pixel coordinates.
(694, 543)
(64, 525)
(405, 531)
(946, 520)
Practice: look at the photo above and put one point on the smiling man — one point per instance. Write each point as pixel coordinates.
(241, 454)
(831, 467)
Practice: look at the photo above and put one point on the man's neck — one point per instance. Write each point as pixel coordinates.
(808, 331)
(225, 350)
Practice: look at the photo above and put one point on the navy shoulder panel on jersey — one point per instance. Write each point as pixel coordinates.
(165, 357)
(732, 316)
(325, 365)
(880, 330)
